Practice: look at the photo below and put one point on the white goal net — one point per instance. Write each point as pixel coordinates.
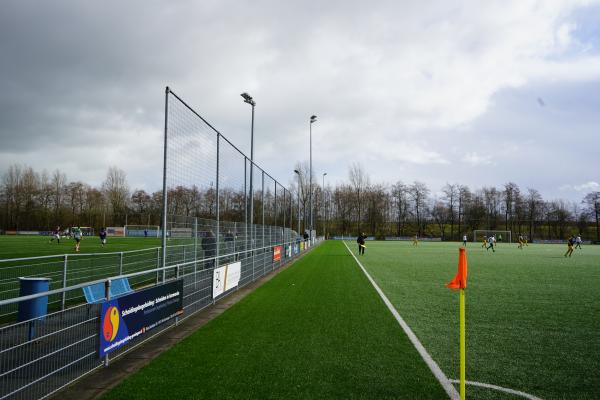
(501, 236)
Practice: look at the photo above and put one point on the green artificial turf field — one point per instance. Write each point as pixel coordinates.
(32, 246)
(318, 330)
(533, 316)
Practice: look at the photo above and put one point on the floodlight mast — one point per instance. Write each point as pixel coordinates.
(298, 172)
(248, 99)
(313, 119)
(324, 206)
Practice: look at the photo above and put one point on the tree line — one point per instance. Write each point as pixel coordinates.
(32, 200)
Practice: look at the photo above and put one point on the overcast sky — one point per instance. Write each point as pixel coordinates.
(474, 92)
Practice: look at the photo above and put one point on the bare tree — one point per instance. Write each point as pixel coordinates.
(592, 202)
(59, 181)
(359, 181)
(534, 209)
(76, 196)
(510, 192)
(116, 190)
(400, 197)
(304, 172)
(140, 201)
(464, 197)
(451, 193)
(440, 212)
(418, 191)
(557, 217)
(491, 199)
(45, 198)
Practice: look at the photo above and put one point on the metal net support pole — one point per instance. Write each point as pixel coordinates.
(164, 194)
(216, 263)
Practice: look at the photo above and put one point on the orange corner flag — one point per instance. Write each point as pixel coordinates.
(460, 280)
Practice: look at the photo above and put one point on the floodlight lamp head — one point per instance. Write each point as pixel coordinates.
(324, 173)
(296, 171)
(313, 118)
(248, 99)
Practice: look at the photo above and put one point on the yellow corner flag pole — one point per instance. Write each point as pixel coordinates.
(463, 350)
(460, 282)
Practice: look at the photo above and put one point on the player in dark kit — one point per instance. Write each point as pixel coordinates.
(361, 243)
(103, 236)
(55, 235)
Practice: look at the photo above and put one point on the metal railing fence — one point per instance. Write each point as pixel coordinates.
(207, 183)
(65, 346)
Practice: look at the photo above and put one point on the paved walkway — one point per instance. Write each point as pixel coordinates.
(104, 379)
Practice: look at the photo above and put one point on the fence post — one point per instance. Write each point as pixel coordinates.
(121, 263)
(64, 293)
(157, 264)
(262, 200)
(271, 247)
(195, 252)
(107, 296)
(235, 256)
(217, 241)
(164, 193)
(164, 264)
(245, 207)
(177, 277)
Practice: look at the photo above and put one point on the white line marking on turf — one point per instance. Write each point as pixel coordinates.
(499, 388)
(437, 372)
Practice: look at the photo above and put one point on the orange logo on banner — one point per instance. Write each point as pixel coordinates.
(111, 323)
(277, 253)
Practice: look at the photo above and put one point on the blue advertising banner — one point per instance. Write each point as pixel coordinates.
(125, 318)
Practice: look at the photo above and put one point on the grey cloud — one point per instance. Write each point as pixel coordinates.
(84, 78)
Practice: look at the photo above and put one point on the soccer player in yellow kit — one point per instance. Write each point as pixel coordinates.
(521, 242)
(416, 241)
(570, 246)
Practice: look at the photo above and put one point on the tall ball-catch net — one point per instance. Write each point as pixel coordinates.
(220, 208)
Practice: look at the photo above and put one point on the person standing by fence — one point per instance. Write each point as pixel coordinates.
(209, 245)
(361, 243)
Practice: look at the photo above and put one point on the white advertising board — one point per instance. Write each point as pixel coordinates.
(226, 277)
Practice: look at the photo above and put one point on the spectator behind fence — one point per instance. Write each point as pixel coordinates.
(209, 245)
(230, 245)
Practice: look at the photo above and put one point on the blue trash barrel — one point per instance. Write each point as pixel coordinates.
(37, 307)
